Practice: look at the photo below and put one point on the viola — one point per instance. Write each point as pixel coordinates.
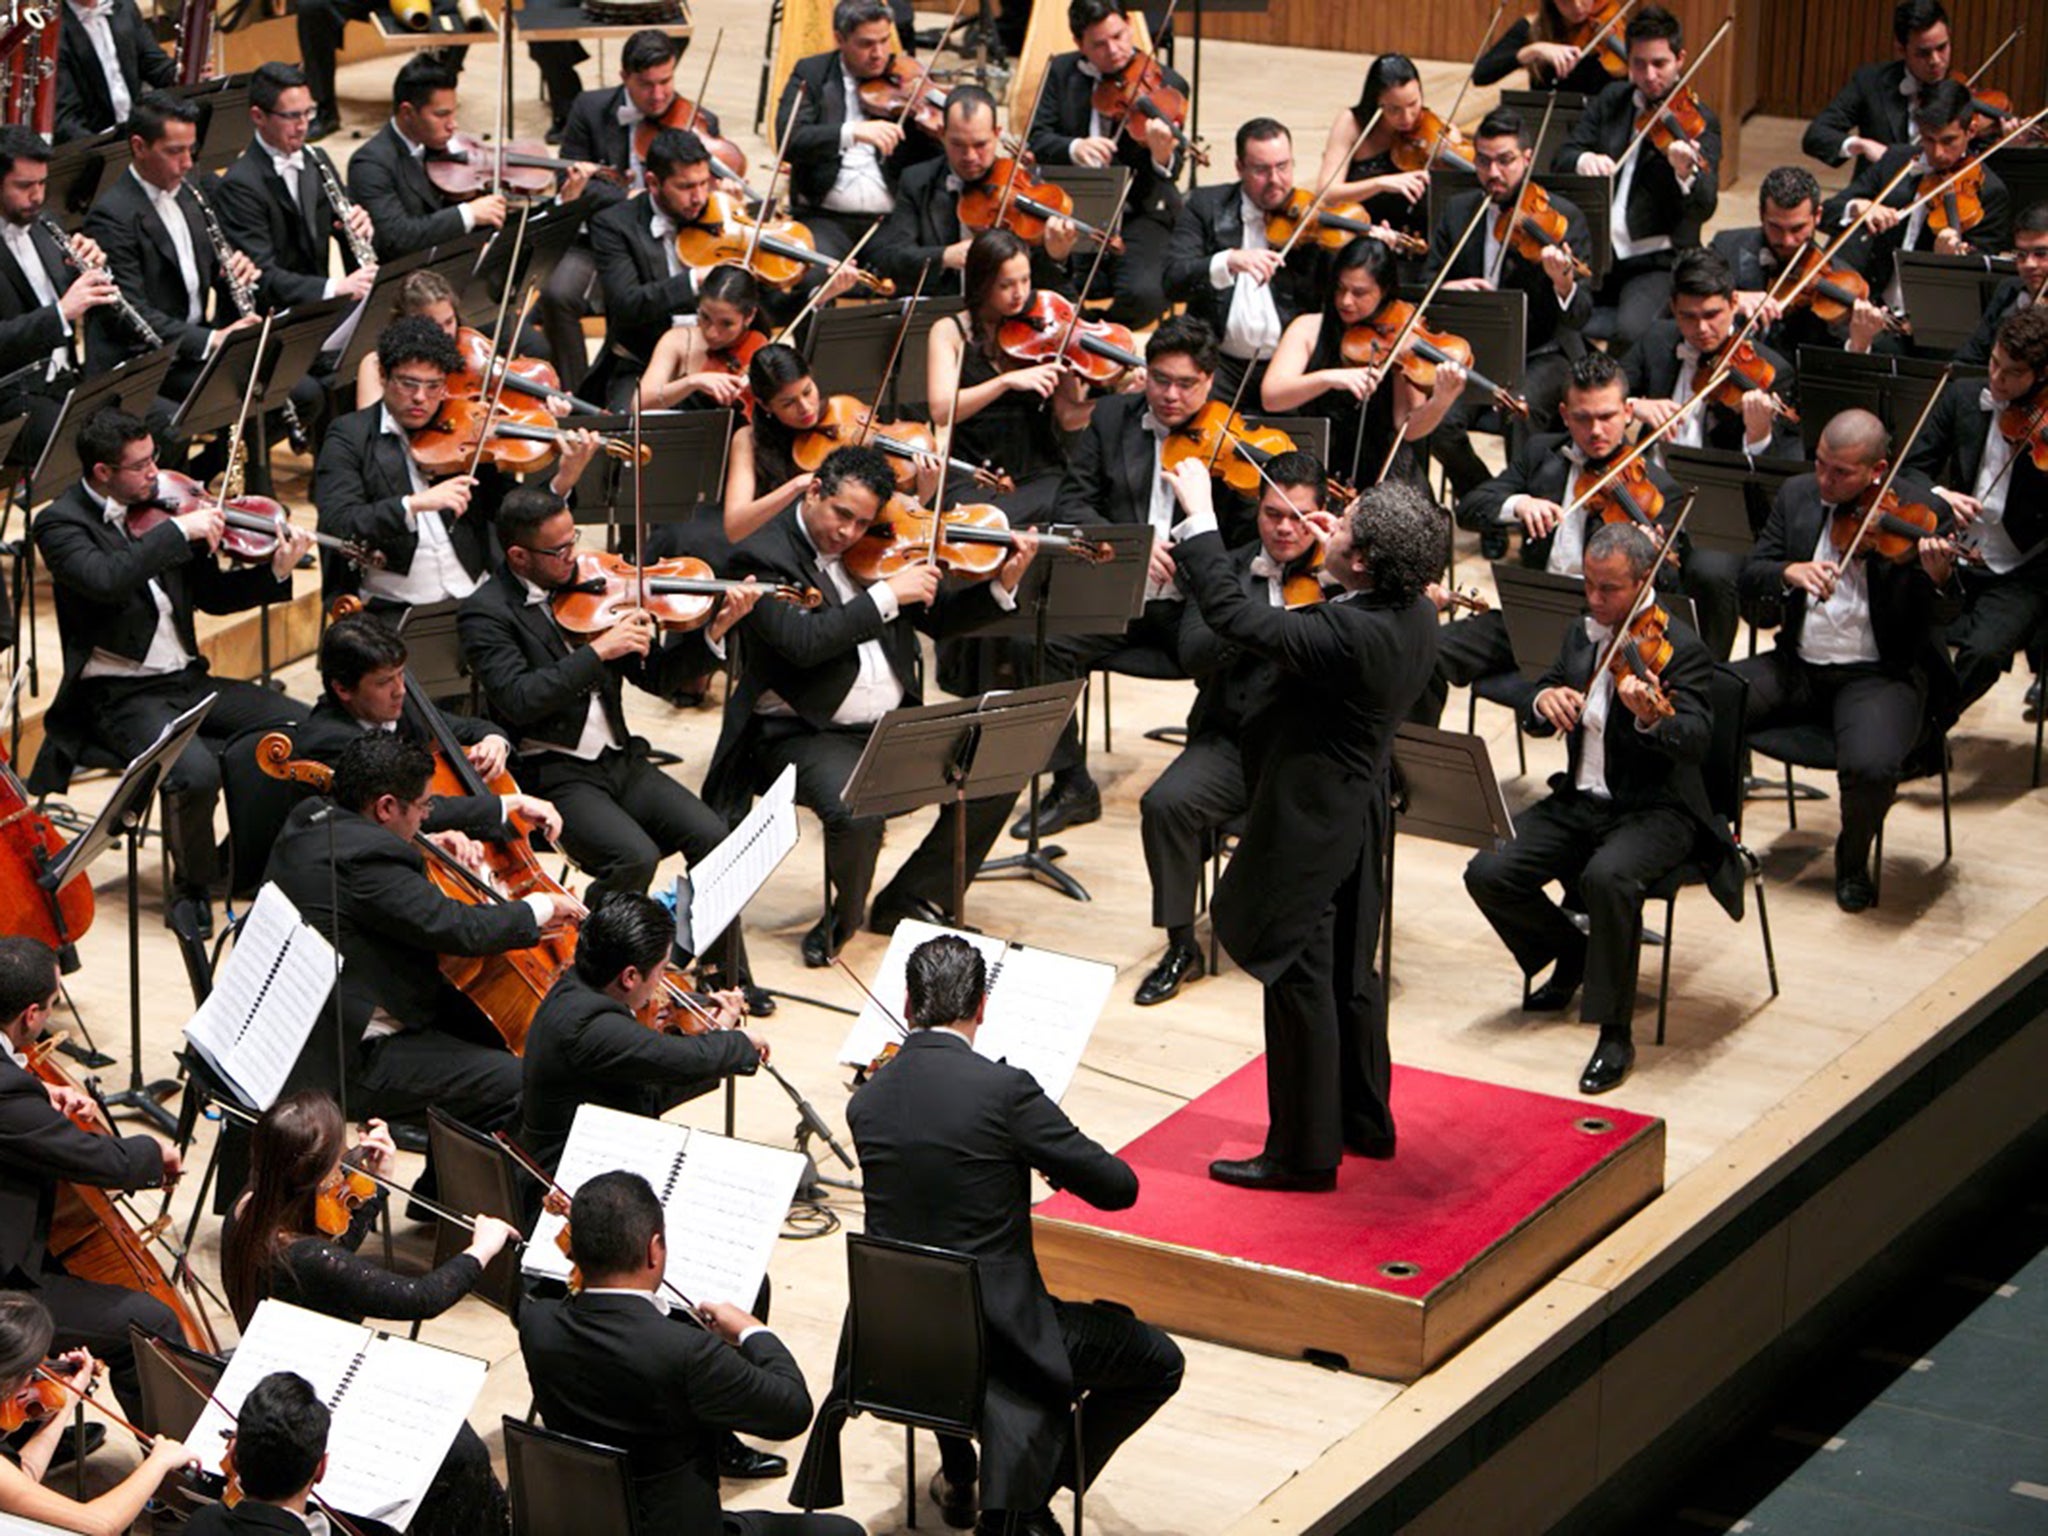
(468, 167)
(1960, 205)
(1643, 653)
(1630, 497)
(1677, 119)
(1024, 204)
(338, 1199)
(846, 419)
(517, 438)
(1369, 344)
(1887, 527)
(905, 93)
(254, 523)
(1301, 584)
(1747, 369)
(970, 541)
(1605, 22)
(29, 842)
(1834, 293)
(1334, 224)
(1139, 91)
(533, 377)
(1051, 329)
(33, 1401)
(2024, 424)
(1537, 223)
(727, 158)
(681, 592)
(1231, 448)
(1431, 143)
(777, 251)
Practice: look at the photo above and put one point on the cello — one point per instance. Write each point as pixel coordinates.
(28, 843)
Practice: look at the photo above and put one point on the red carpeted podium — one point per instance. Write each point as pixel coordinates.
(1492, 1193)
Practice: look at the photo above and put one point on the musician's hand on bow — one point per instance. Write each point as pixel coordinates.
(728, 1008)
(726, 1320)
(489, 756)
(1018, 561)
(1093, 152)
(1883, 217)
(1359, 383)
(724, 389)
(461, 847)
(1645, 700)
(1555, 59)
(171, 1455)
(1061, 236)
(1468, 285)
(735, 605)
(450, 495)
(205, 526)
(88, 291)
(632, 635)
(488, 212)
(1651, 412)
(1816, 578)
(1591, 164)
(879, 134)
(533, 813)
(914, 584)
(490, 1238)
(1039, 379)
(1560, 707)
(378, 1152)
(1750, 300)
(1967, 509)
(555, 1202)
(757, 1041)
(1411, 185)
(563, 909)
(1537, 516)
(293, 545)
(1260, 265)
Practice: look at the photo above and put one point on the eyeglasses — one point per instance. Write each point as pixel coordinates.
(412, 385)
(1169, 381)
(560, 551)
(304, 115)
(139, 466)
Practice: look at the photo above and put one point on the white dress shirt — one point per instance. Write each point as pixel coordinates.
(1626, 242)
(1691, 432)
(289, 168)
(1252, 329)
(1099, 127)
(1494, 257)
(664, 230)
(1266, 569)
(21, 246)
(629, 119)
(99, 28)
(1988, 535)
(875, 689)
(1592, 775)
(860, 186)
(437, 574)
(1838, 631)
(166, 653)
(170, 212)
(1164, 508)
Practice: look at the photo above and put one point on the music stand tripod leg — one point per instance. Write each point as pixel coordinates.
(1036, 861)
(145, 1098)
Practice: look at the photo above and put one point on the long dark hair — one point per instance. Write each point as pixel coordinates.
(291, 1150)
(1387, 71)
(25, 1335)
(774, 368)
(1364, 254)
(990, 252)
(732, 285)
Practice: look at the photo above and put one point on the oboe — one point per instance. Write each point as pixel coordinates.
(243, 293)
(364, 254)
(126, 310)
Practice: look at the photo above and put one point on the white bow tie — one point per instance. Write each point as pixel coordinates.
(1597, 632)
(628, 113)
(295, 162)
(1264, 568)
(1689, 354)
(1985, 402)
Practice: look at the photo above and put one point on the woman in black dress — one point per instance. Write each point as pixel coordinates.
(273, 1247)
(1393, 88)
(1537, 43)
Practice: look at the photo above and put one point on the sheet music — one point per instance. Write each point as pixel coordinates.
(1042, 1005)
(724, 1199)
(725, 879)
(18, 1525)
(265, 1000)
(396, 1405)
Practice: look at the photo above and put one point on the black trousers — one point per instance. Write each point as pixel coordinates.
(1877, 717)
(2002, 615)
(126, 715)
(1329, 1069)
(756, 1522)
(1635, 296)
(1200, 790)
(837, 233)
(323, 24)
(1467, 650)
(621, 816)
(1611, 856)
(1070, 656)
(823, 761)
(1710, 579)
(1137, 277)
(470, 1074)
(96, 1317)
(1543, 382)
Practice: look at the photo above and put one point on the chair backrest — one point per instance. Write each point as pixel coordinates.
(475, 1176)
(1723, 769)
(171, 1404)
(257, 806)
(192, 948)
(562, 1486)
(914, 1332)
(806, 29)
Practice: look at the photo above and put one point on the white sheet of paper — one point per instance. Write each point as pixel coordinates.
(1042, 1005)
(726, 878)
(265, 1000)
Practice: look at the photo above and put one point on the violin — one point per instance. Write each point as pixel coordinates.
(1334, 224)
(1231, 448)
(1887, 527)
(1677, 119)
(680, 592)
(469, 168)
(1834, 293)
(1642, 653)
(338, 1199)
(777, 251)
(29, 842)
(1605, 22)
(727, 158)
(1960, 205)
(532, 377)
(520, 439)
(2024, 424)
(905, 94)
(254, 523)
(735, 360)
(1052, 329)
(1369, 343)
(971, 541)
(1629, 497)
(1138, 91)
(1432, 142)
(1024, 204)
(1301, 584)
(1747, 369)
(1537, 223)
(34, 1400)
(845, 420)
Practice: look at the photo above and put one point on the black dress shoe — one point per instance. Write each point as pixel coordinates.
(321, 126)
(1180, 964)
(1493, 544)
(892, 907)
(1378, 1148)
(2033, 707)
(1612, 1058)
(1556, 994)
(759, 1000)
(1001, 1522)
(738, 1459)
(955, 1500)
(1855, 891)
(1066, 805)
(822, 942)
(202, 912)
(1263, 1172)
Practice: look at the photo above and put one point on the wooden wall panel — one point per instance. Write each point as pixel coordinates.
(1802, 64)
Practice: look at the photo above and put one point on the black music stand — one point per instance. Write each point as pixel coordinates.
(1571, 106)
(687, 470)
(1735, 494)
(224, 126)
(966, 749)
(381, 302)
(1891, 388)
(849, 346)
(2024, 172)
(126, 810)
(1496, 324)
(1070, 597)
(132, 386)
(1095, 189)
(1445, 790)
(1537, 607)
(1946, 295)
(550, 232)
(297, 337)
(77, 172)
(434, 654)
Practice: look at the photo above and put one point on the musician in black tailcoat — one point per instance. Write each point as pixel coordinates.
(604, 122)
(1629, 808)
(1789, 208)
(2022, 290)
(647, 289)
(387, 176)
(107, 57)
(1870, 114)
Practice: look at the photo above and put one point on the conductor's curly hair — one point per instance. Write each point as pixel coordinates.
(1402, 533)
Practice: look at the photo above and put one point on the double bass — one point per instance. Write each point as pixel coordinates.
(28, 904)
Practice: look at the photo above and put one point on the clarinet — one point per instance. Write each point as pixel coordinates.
(126, 310)
(244, 295)
(364, 253)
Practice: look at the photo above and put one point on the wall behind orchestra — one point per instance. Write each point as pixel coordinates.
(1797, 81)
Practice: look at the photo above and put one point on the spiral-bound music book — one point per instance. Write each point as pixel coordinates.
(265, 1000)
(725, 1199)
(396, 1405)
(1042, 1005)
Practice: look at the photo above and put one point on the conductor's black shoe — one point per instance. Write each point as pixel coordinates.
(822, 942)
(322, 125)
(1065, 805)
(1855, 891)
(1263, 1172)
(1180, 964)
(955, 1501)
(1612, 1058)
(67, 1444)
(738, 1459)
(1556, 994)
(1378, 1148)
(891, 907)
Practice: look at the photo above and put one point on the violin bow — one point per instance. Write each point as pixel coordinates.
(1592, 43)
(1023, 149)
(924, 68)
(1224, 435)
(639, 507)
(1322, 196)
(1898, 463)
(1115, 224)
(13, 694)
(498, 388)
(697, 101)
(818, 290)
(1619, 638)
(1407, 329)
(889, 367)
(1970, 164)
(1522, 193)
(775, 175)
(880, 1006)
(1992, 58)
(1684, 80)
(2019, 449)
(231, 477)
(1457, 101)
